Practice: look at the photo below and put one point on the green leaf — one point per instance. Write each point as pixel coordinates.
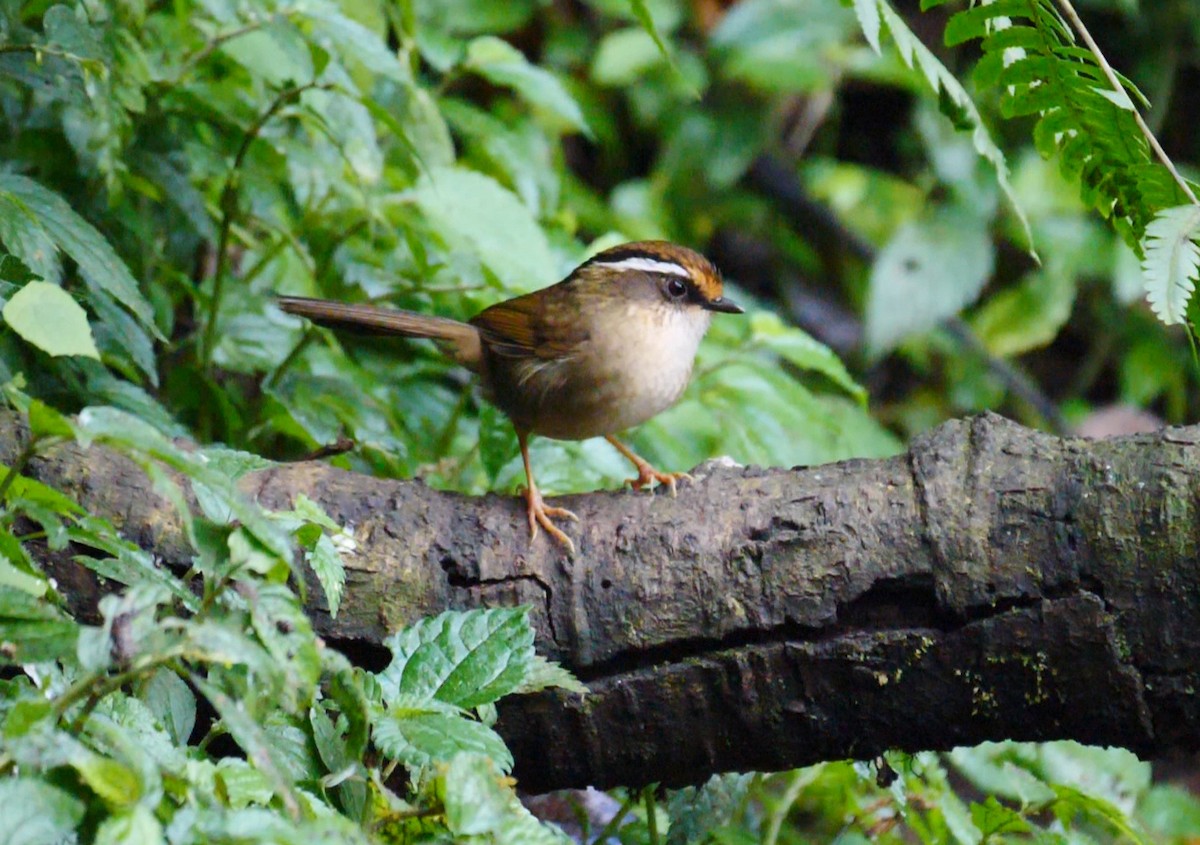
(1171, 261)
(959, 820)
(44, 421)
(97, 260)
(798, 347)
(419, 733)
(641, 11)
(32, 630)
(254, 741)
(952, 94)
(138, 826)
(927, 272)
(472, 211)
(465, 658)
(276, 53)
(1171, 811)
(36, 813)
(623, 56)
(327, 565)
(867, 12)
(46, 316)
(245, 785)
(544, 674)
(499, 62)
(994, 819)
(480, 804)
(172, 702)
(28, 241)
(1026, 316)
(475, 797)
(696, 811)
(112, 780)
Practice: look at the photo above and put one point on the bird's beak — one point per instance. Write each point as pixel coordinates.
(724, 305)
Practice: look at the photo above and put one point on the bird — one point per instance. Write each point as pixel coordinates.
(605, 349)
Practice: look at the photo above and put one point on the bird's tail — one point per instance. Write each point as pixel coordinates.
(460, 340)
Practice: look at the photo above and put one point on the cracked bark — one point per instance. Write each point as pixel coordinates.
(991, 583)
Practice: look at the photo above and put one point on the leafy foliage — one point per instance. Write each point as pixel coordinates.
(170, 167)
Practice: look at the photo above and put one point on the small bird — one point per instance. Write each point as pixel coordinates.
(605, 349)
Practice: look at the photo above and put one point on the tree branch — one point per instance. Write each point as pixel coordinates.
(991, 583)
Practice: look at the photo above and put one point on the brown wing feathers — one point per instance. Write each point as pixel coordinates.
(461, 339)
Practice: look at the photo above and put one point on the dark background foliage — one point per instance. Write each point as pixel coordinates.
(922, 231)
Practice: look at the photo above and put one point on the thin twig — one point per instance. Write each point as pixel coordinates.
(229, 210)
(1071, 15)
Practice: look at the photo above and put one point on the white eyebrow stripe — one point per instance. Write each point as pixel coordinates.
(648, 265)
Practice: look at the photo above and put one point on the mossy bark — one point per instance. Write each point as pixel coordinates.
(991, 583)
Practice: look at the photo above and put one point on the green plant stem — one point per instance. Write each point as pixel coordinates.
(210, 46)
(796, 783)
(294, 355)
(1072, 16)
(96, 685)
(651, 814)
(229, 212)
(213, 732)
(614, 824)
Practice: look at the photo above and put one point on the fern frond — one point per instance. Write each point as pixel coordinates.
(1031, 57)
(1171, 261)
(953, 98)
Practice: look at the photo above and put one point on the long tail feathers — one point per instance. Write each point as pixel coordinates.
(460, 339)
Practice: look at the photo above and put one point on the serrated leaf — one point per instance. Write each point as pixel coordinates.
(951, 92)
(544, 674)
(991, 818)
(465, 658)
(327, 565)
(36, 813)
(117, 331)
(418, 736)
(867, 12)
(696, 811)
(48, 317)
(29, 243)
(927, 272)
(503, 64)
(480, 804)
(1171, 261)
(97, 260)
(254, 742)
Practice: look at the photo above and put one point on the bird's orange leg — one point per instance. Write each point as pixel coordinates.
(539, 512)
(646, 473)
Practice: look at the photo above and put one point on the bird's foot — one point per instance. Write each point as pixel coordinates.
(648, 475)
(541, 514)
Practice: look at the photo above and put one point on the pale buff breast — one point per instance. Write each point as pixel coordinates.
(635, 368)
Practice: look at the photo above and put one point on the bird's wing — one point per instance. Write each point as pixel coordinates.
(544, 324)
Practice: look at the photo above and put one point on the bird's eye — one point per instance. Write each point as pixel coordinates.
(676, 288)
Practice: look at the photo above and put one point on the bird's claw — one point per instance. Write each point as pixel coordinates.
(648, 475)
(540, 514)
